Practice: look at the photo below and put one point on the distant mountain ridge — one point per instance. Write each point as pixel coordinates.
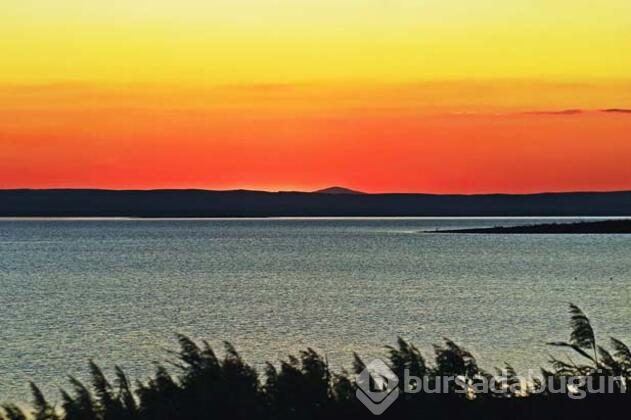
(338, 190)
(244, 203)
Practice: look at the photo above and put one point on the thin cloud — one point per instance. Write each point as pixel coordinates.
(617, 110)
(561, 112)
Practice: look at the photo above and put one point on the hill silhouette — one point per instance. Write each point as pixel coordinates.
(337, 190)
(243, 203)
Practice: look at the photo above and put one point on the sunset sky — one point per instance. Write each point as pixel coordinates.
(436, 96)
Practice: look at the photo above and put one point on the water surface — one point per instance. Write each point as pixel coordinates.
(118, 290)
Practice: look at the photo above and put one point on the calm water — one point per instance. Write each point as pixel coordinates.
(117, 291)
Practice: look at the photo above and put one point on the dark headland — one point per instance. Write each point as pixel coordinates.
(330, 202)
(600, 227)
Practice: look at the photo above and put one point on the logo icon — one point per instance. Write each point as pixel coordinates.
(377, 387)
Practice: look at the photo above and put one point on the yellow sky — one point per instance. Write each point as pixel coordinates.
(271, 41)
(379, 95)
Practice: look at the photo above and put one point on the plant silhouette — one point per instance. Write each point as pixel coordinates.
(199, 384)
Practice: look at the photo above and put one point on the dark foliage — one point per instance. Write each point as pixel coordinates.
(206, 386)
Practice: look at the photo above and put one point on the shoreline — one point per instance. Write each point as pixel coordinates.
(600, 227)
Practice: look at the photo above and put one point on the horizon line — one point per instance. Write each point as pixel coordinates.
(352, 191)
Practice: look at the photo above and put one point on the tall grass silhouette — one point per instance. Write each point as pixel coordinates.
(199, 384)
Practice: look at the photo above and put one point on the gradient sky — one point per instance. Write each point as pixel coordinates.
(380, 95)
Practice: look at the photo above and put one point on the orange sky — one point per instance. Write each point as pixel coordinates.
(451, 137)
(378, 95)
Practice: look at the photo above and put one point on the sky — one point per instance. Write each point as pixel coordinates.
(451, 96)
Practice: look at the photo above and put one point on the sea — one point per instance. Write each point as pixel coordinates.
(118, 291)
